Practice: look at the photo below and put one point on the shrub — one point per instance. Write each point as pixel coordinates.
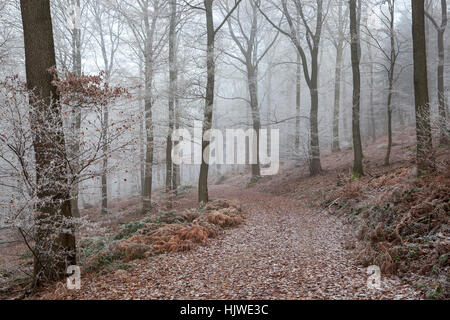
(168, 232)
(129, 229)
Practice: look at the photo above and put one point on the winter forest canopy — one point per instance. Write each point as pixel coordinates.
(100, 99)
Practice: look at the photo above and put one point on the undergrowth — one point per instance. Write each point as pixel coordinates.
(166, 232)
(402, 224)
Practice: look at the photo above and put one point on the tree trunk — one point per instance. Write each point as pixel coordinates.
(172, 86)
(149, 152)
(76, 122)
(391, 75)
(345, 117)
(54, 238)
(425, 159)
(203, 196)
(298, 102)
(252, 80)
(337, 97)
(316, 166)
(441, 84)
(373, 127)
(105, 160)
(355, 45)
(105, 115)
(176, 181)
(148, 177)
(389, 125)
(142, 143)
(312, 78)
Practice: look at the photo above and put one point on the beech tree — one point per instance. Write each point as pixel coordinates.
(389, 63)
(171, 169)
(371, 67)
(76, 121)
(143, 17)
(248, 37)
(340, 25)
(442, 98)
(55, 239)
(392, 58)
(211, 33)
(107, 31)
(425, 159)
(69, 45)
(18, 153)
(355, 53)
(311, 65)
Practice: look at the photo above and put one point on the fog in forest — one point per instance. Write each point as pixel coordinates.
(136, 82)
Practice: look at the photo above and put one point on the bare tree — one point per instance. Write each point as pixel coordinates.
(440, 28)
(54, 251)
(143, 17)
(390, 56)
(248, 39)
(298, 104)
(339, 44)
(211, 33)
(310, 66)
(355, 53)
(425, 160)
(391, 72)
(372, 124)
(70, 43)
(76, 121)
(108, 40)
(171, 181)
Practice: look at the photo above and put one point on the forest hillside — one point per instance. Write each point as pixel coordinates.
(224, 149)
(284, 233)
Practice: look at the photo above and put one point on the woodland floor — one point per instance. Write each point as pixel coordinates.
(286, 249)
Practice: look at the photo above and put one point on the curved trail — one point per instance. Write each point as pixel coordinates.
(284, 250)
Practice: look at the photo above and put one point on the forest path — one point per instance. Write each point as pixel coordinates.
(285, 250)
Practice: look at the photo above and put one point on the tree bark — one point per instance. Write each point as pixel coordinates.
(203, 196)
(176, 168)
(76, 122)
(339, 44)
(54, 238)
(149, 154)
(355, 54)
(425, 159)
(373, 127)
(337, 97)
(170, 180)
(389, 125)
(391, 74)
(441, 80)
(252, 80)
(298, 102)
(316, 166)
(442, 99)
(142, 138)
(105, 160)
